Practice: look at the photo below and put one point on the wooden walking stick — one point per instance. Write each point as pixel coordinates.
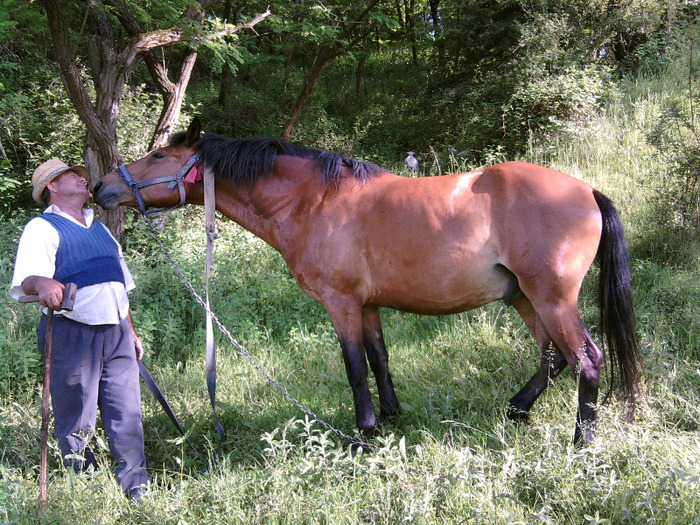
(66, 304)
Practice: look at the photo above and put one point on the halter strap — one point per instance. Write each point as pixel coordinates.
(174, 180)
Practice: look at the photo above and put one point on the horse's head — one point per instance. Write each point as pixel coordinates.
(153, 181)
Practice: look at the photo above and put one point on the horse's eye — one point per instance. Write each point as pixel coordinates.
(157, 155)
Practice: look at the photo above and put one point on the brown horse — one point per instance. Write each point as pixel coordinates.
(356, 238)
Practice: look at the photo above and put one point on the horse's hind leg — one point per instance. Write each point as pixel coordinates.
(379, 360)
(552, 363)
(562, 321)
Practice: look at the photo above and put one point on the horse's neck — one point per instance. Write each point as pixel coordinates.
(260, 209)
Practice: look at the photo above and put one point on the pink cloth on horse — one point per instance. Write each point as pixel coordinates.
(194, 175)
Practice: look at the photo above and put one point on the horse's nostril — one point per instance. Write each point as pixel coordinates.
(97, 186)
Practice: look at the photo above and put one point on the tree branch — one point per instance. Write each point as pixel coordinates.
(69, 71)
(154, 39)
(228, 32)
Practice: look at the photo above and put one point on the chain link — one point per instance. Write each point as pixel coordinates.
(151, 230)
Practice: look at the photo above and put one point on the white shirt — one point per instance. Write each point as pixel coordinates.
(101, 303)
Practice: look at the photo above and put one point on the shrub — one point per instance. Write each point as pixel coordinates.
(676, 137)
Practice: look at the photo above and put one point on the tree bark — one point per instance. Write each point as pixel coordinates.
(71, 77)
(288, 67)
(172, 93)
(360, 88)
(110, 73)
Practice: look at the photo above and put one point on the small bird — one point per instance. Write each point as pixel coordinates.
(412, 162)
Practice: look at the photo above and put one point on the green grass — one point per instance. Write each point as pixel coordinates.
(451, 456)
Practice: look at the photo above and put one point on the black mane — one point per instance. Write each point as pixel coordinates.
(243, 161)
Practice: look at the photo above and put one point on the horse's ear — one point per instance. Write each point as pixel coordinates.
(193, 131)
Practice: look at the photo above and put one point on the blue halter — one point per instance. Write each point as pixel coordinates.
(174, 180)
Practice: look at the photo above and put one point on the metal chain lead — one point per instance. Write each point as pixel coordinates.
(154, 234)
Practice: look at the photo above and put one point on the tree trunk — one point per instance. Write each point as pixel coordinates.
(98, 166)
(110, 72)
(409, 5)
(110, 68)
(225, 85)
(399, 14)
(355, 31)
(173, 96)
(437, 29)
(360, 88)
(288, 67)
(323, 57)
(71, 76)
(225, 82)
(101, 158)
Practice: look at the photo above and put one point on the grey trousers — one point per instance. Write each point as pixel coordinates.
(91, 367)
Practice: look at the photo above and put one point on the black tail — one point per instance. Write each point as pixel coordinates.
(617, 321)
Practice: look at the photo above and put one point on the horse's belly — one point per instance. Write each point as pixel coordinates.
(439, 291)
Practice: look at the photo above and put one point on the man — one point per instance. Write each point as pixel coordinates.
(94, 346)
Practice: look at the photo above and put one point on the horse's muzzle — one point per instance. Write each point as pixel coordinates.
(106, 198)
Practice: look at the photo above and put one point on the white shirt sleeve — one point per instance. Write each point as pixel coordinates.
(36, 254)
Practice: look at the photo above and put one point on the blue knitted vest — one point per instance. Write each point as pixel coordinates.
(85, 256)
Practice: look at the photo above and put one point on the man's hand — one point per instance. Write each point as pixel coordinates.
(49, 291)
(138, 346)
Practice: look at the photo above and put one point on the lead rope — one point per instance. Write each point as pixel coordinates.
(210, 363)
(151, 230)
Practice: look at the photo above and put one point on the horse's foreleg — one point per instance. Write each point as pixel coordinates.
(379, 360)
(347, 321)
(552, 362)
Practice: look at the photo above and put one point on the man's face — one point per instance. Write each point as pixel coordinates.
(70, 183)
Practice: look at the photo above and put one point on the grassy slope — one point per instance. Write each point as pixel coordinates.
(450, 457)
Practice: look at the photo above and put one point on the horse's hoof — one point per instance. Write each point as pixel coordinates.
(518, 415)
(369, 433)
(585, 437)
(358, 448)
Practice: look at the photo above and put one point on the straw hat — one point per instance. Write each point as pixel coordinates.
(48, 171)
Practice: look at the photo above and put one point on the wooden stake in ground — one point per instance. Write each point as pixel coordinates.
(66, 304)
